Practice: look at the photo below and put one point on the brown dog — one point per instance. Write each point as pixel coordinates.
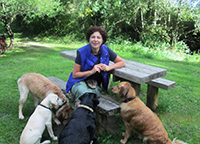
(39, 86)
(136, 115)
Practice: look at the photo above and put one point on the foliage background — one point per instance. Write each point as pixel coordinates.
(149, 21)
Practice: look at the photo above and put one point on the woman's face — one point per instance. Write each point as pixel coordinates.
(96, 40)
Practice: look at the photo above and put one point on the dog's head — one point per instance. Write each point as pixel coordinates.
(61, 95)
(55, 100)
(64, 113)
(89, 99)
(124, 90)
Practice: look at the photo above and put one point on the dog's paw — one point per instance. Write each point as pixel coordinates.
(55, 138)
(21, 117)
(123, 141)
(46, 142)
(57, 122)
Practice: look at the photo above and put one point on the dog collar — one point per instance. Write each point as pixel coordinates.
(45, 106)
(63, 104)
(129, 99)
(87, 107)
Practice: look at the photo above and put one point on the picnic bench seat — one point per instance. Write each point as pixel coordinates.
(152, 90)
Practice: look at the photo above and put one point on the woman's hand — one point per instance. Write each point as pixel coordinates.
(104, 67)
(118, 63)
(97, 68)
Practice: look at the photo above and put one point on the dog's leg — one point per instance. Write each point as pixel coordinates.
(50, 130)
(145, 140)
(127, 133)
(36, 100)
(23, 90)
(55, 119)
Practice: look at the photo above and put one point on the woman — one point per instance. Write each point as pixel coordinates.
(92, 65)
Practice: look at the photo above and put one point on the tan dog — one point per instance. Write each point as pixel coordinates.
(136, 115)
(39, 86)
(41, 117)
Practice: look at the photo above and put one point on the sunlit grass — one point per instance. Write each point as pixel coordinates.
(178, 108)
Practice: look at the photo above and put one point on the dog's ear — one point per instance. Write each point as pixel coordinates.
(95, 99)
(130, 90)
(54, 99)
(81, 97)
(123, 92)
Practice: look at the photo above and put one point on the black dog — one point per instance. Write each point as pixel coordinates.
(81, 127)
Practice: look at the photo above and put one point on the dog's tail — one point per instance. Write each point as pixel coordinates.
(18, 80)
(175, 141)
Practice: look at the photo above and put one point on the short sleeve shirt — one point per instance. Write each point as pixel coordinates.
(112, 54)
(97, 76)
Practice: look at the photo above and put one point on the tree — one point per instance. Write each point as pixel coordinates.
(28, 9)
(150, 21)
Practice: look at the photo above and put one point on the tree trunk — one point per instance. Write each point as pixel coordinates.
(7, 27)
(10, 35)
(142, 18)
(155, 14)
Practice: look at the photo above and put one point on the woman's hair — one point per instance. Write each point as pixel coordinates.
(100, 29)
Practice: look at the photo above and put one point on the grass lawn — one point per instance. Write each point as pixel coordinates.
(178, 108)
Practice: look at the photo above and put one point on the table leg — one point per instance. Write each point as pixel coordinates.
(136, 86)
(152, 97)
(116, 78)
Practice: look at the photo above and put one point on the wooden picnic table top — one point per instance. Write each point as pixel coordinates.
(133, 71)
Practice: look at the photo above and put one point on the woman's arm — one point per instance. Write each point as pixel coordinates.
(78, 74)
(118, 63)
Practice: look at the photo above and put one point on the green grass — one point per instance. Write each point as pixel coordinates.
(178, 108)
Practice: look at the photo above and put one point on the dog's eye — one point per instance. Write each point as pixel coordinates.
(57, 98)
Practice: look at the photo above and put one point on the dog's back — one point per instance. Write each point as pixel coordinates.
(81, 127)
(40, 118)
(78, 130)
(35, 126)
(39, 85)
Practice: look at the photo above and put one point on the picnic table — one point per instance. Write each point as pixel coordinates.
(137, 74)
